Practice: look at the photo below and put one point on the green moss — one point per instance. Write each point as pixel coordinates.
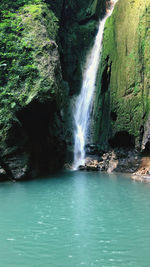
(27, 41)
(125, 50)
(34, 10)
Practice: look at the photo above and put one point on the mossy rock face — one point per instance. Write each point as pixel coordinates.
(32, 91)
(122, 100)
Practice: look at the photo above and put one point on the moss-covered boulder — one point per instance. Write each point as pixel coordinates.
(32, 91)
(122, 101)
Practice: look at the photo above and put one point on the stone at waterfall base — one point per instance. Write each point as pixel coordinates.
(119, 160)
(89, 167)
(143, 172)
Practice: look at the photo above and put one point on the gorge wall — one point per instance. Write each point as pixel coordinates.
(43, 46)
(122, 100)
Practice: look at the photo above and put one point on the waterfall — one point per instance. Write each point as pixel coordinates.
(84, 100)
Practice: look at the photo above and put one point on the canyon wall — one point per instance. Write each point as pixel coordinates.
(122, 100)
(43, 47)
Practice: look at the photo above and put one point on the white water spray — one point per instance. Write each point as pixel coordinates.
(84, 100)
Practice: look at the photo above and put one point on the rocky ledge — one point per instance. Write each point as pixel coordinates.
(121, 160)
(143, 172)
(118, 160)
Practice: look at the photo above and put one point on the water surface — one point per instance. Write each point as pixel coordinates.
(75, 219)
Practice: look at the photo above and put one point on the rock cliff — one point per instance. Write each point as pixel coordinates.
(33, 93)
(43, 46)
(122, 100)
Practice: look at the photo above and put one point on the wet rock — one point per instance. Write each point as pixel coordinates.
(118, 160)
(3, 175)
(68, 166)
(92, 167)
(2, 171)
(93, 149)
(82, 167)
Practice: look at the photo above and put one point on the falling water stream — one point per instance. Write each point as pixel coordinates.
(84, 100)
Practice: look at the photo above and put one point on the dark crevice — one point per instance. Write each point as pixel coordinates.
(146, 151)
(122, 139)
(62, 17)
(6, 168)
(35, 118)
(105, 81)
(144, 115)
(42, 143)
(141, 134)
(86, 20)
(113, 115)
(35, 121)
